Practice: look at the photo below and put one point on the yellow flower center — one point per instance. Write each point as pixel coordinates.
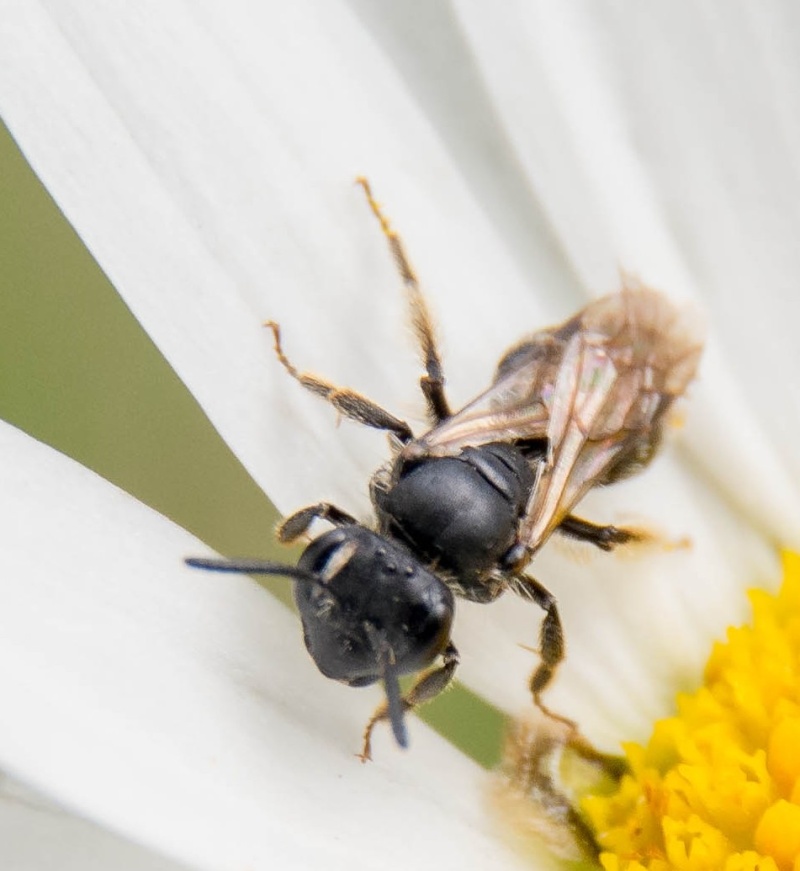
(717, 787)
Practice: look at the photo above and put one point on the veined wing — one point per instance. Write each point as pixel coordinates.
(517, 406)
(629, 357)
(595, 390)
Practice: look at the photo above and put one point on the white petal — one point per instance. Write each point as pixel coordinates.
(38, 835)
(174, 706)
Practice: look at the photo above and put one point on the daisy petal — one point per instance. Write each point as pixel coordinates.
(38, 835)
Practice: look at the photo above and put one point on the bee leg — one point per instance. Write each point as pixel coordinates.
(296, 524)
(613, 766)
(604, 537)
(432, 385)
(428, 686)
(552, 651)
(432, 382)
(551, 642)
(347, 402)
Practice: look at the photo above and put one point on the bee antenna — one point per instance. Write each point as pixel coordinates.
(395, 706)
(250, 567)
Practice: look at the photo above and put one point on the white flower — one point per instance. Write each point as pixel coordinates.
(205, 155)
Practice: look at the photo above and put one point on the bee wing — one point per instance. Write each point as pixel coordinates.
(517, 407)
(595, 389)
(630, 357)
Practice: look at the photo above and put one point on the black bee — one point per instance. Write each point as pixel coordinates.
(463, 508)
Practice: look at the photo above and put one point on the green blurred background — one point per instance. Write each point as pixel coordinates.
(78, 372)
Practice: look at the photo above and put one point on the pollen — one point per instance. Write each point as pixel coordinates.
(717, 787)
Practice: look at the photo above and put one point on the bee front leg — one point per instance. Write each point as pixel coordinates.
(427, 687)
(347, 402)
(297, 524)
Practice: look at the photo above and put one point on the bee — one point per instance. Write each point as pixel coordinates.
(463, 508)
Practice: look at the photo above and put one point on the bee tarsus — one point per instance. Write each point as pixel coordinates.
(297, 524)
